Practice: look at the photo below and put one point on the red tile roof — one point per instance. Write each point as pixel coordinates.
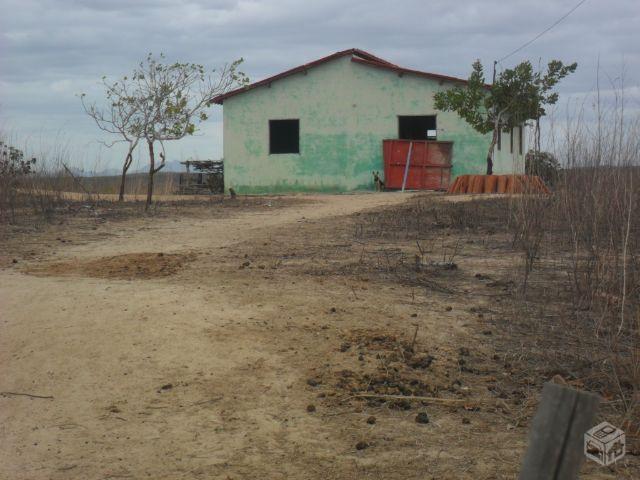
(358, 56)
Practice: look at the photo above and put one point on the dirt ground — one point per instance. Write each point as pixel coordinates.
(240, 345)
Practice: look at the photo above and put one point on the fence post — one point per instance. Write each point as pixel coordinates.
(406, 167)
(556, 448)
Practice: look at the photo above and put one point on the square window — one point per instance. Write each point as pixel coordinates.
(284, 136)
(417, 127)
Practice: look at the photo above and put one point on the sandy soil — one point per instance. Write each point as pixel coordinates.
(232, 347)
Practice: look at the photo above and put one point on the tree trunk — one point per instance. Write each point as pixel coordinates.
(152, 172)
(494, 140)
(125, 168)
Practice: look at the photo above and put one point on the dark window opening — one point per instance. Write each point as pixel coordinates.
(520, 139)
(284, 136)
(417, 127)
(511, 140)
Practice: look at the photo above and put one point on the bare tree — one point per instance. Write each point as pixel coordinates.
(173, 98)
(120, 117)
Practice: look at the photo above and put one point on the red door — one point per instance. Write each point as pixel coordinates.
(429, 164)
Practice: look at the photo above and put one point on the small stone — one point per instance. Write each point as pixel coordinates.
(362, 445)
(466, 421)
(449, 308)
(371, 420)
(414, 315)
(422, 417)
(345, 346)
(487, 332)
(422, 362)
(312, 382)
(332, 310)
(401, 404)
(311, 408)
(15, 260)
(168, 386)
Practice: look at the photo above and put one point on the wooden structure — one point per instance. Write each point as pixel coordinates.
(417, 164)
(207, 177)
(556, 438)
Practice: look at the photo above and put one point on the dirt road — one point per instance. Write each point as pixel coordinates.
(188, 347)
(190, 376)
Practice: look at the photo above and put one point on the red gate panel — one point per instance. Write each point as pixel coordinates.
(429, 165)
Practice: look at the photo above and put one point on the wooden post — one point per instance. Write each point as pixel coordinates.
(406, 167)
(556, 438)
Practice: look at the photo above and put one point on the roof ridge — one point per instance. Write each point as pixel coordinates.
(357, 55)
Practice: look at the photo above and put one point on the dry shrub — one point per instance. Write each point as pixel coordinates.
(589, 230)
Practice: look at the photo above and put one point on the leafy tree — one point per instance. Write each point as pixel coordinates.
(173, 98)
(162, 102)
(518, 94)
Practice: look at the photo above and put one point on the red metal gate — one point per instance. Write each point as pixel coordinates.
(429, 164)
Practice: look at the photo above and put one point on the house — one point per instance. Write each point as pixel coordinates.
(320, 127)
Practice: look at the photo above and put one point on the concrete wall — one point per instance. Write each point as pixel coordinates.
(345, 110)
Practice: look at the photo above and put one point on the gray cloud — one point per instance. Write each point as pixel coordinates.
(51, 50)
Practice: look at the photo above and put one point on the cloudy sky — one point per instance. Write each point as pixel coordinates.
(52, 50)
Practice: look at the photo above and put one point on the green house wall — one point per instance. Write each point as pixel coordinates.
(345, 110)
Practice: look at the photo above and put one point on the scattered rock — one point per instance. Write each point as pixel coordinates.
(421, 362)
(465, 421)
(311, 408)
(401, 404)
(15, 260)
(487, 332)
(449, 308)
(371, 420)
(361, 445)
(245, 264)
(345, 346)
(332, 310)
(312, 382)
(414, 315)
(422, 417)
(168, 386)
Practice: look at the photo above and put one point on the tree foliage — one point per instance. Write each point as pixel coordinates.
(518, 94)
(162, 102)
(13, 164)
